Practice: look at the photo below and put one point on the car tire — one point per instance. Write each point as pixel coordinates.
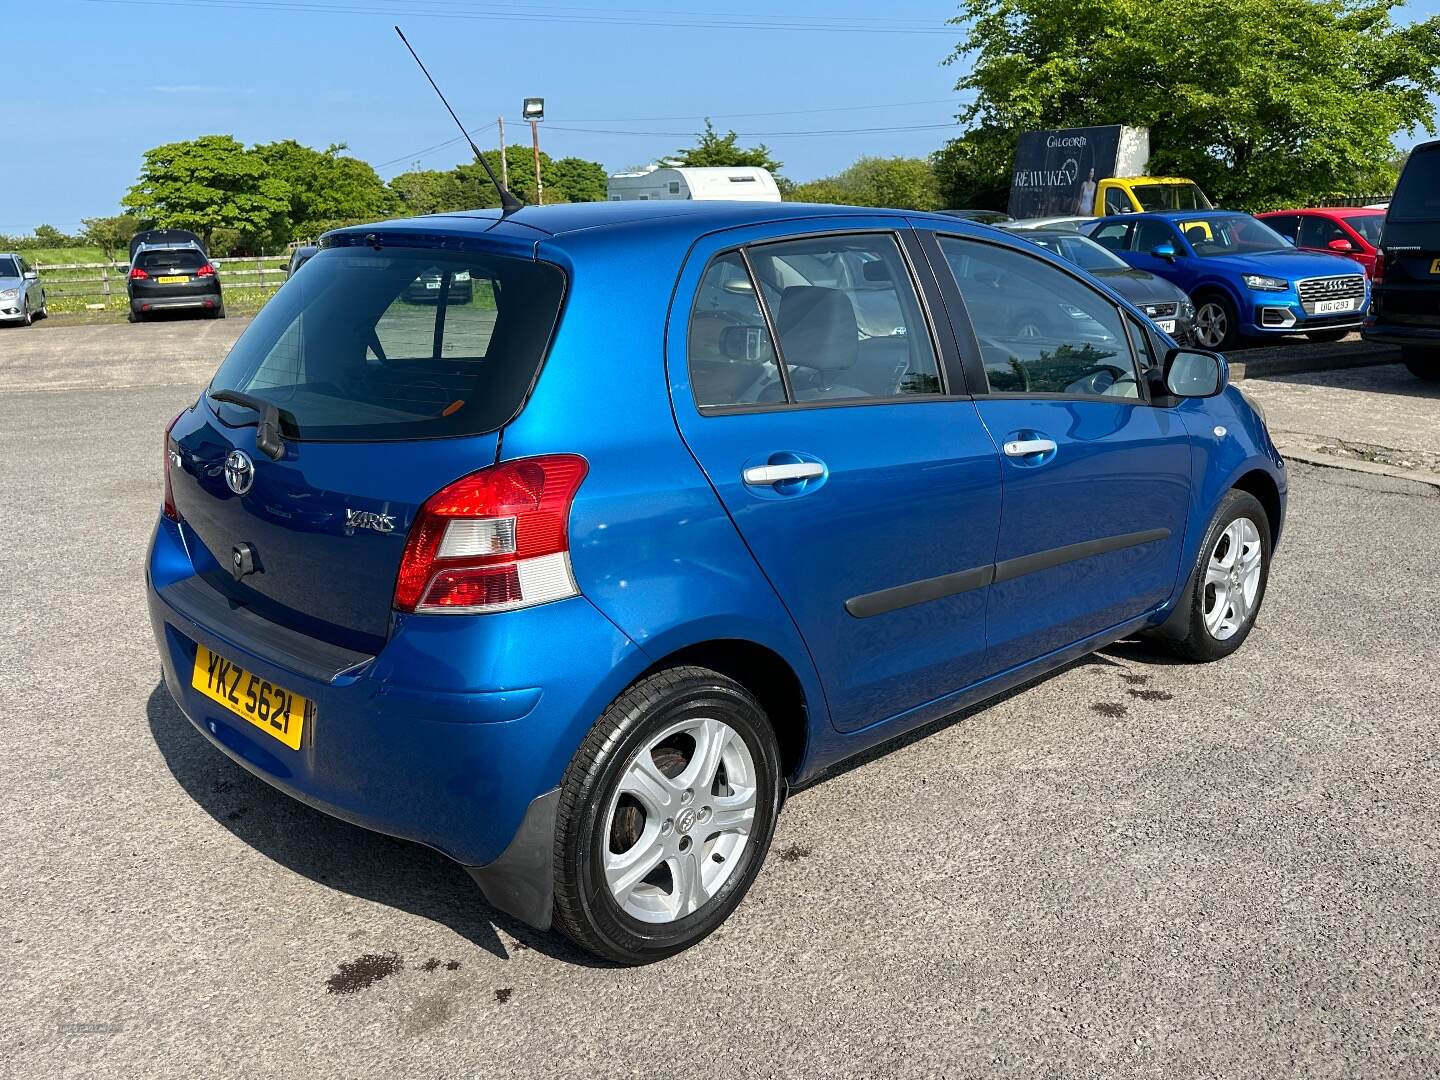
(28, 318)
(1422, 363)
(1225, 588)
(1215, 325)
(218, 313)
(674, 756)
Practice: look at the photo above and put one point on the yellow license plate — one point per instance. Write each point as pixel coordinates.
(172, 280)
(273, 709)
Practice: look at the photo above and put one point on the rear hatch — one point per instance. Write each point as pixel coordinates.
(165, 271)
(381, 403)
(1409, 292)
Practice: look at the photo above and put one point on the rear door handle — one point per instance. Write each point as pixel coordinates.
(1023, 447)
(765, 475)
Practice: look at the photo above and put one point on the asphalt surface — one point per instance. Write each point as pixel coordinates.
(1134, 868)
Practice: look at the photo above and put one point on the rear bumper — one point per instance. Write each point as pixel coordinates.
(445, 738)
(1414, 337)
(163, 299)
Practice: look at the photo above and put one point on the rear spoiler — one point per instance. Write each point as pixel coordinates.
(165, 238)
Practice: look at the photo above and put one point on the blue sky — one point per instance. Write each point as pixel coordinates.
(325, 71)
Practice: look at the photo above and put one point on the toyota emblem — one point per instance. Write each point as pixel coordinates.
(239, 472)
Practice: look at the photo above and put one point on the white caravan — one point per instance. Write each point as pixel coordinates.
(740, 184)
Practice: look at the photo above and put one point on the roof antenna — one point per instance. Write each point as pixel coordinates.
(508, 202)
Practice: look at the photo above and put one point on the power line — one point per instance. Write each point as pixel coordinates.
(755, 134)
(659, 21)
(701, 116)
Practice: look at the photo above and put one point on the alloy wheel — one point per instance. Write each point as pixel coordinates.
(1232, 579)
(1211, 324)
(680, 820)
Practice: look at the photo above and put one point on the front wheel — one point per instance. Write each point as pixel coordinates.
(1227, 583)
(1215, 323)
(665, 815)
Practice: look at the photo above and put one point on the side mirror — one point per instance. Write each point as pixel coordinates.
(32, 275)
(1192, 373)
(1164, 251)
(1341, 246)
(745, 344)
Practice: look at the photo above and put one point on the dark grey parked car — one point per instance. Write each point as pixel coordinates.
(1166, 304)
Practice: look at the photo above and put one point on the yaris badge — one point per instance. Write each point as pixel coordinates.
(368, 519)
(239, 472)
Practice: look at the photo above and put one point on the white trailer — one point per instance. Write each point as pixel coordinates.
(741, 184)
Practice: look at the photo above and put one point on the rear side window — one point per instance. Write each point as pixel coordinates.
(1417, 196)
(176, 259)
(397, 344)
(1114, 236)
(846, 313)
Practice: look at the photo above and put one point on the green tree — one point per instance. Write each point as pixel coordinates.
(908, 183)
(208, 183)
(1262, 102)
(579, 180)
(428, 191)
(111, 234)
(326, 188)
(724, 151)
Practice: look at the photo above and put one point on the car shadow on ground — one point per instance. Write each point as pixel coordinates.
(1392, 378)
(1121, 657)
(382, 869)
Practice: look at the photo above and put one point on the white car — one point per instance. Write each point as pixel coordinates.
(22, 297)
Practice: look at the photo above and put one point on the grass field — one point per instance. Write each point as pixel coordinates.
(43, 257)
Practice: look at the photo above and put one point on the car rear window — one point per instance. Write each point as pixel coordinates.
(178, 259)
(1417, 195)
(397, 344)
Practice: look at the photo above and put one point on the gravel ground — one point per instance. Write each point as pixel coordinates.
(1134, 868)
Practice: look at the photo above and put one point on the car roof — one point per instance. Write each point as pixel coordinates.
(690, 216)
(1367, 211)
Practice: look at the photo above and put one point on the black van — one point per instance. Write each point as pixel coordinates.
(1406, 308)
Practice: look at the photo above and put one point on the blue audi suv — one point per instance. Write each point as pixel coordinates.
(572, 575)
(1243, 277)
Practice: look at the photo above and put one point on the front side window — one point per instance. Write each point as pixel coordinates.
(1185, 196)
(1117, 202)
(397, 344)
(1040, 331)
(1151, 233)
(1317, 232)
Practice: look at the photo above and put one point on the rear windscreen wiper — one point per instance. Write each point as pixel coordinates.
(267, 431)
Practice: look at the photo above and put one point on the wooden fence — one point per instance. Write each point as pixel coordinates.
(99, 282)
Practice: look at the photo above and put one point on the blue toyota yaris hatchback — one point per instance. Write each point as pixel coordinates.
(569, 575)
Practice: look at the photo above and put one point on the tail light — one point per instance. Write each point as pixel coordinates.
(208, 270)
(495, 540)
(1378, 274)
(168, 506)
(136, 274)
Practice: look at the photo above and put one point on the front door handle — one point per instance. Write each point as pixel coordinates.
(1024, 447)
(765, 475)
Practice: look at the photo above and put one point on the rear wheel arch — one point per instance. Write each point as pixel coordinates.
(765, 674)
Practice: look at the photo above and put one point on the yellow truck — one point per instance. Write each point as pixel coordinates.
(1133, 194)
(1093, 171)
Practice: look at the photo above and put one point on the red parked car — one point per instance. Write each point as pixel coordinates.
(1352, 231)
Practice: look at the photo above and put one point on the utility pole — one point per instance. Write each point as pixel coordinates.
(534, 111)
(504, 168)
